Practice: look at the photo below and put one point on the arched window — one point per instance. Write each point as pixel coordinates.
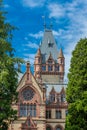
(48, 128)
(58, 128)
(27, 109)
(27, 94)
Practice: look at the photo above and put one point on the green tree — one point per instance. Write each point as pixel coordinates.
(8, 72)
(77, 88)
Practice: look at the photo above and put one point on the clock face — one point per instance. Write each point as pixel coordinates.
(28, 94)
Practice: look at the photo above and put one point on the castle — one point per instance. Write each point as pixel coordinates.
(41, 96)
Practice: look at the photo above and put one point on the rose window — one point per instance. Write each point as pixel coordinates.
(28, 94)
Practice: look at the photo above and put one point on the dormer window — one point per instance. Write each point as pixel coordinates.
(63, 98)
(43, 68)
(50, 68)
(50, 44)
(52, 97)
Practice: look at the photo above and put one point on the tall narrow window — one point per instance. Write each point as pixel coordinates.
(57, 68)
(39, 60)
(50, 68)
(52, 98)
(66, 112)
(63, 98)
(48, 114)
(58, 114)
(23, 110)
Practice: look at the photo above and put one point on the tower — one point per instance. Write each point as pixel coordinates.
(49, 63)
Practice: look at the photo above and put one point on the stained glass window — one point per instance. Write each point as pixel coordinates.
(28, 94)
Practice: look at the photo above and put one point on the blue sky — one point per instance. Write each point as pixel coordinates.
(68, 17)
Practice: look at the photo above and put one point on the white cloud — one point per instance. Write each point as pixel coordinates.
(55, 33)
(32, 45)
(25, 38)
(36, 35)
(6, 6)
(30, 58)
(56, 10)
(33, 3)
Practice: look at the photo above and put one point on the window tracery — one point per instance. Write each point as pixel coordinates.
(27, 94)
(28, 109)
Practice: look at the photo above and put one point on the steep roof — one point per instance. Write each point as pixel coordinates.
(48, 46)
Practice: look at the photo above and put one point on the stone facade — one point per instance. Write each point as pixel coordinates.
(41, 97)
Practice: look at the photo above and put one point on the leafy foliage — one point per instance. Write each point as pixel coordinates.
(8, 73)
(77, 88)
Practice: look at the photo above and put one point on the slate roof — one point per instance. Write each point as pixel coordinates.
(48, 46)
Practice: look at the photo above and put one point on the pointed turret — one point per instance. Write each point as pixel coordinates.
(61, 62)
(37, 64)
(28, 75)
(38, 53)
(60, 55)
